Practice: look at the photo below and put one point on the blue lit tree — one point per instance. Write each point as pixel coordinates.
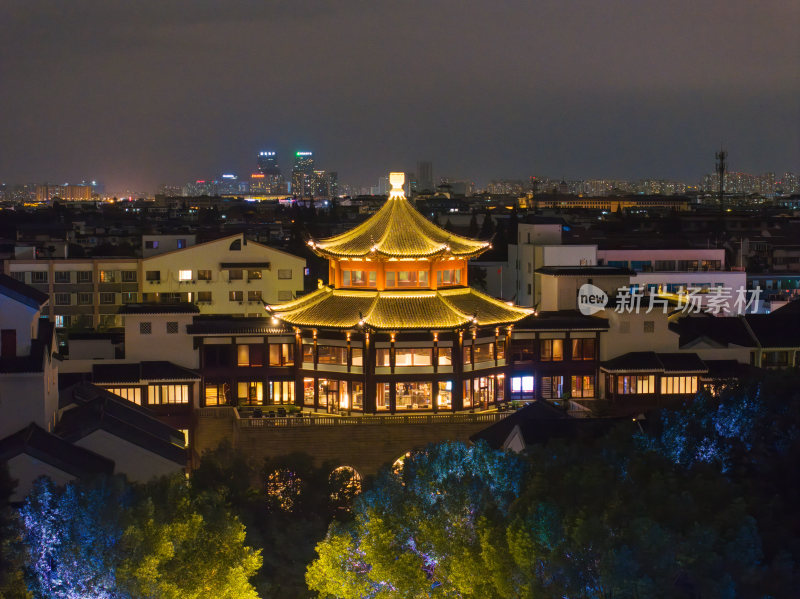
(594, 519)
(751, 433)
(12, 584)
(106, 539)
(72, 537)
(419, 533)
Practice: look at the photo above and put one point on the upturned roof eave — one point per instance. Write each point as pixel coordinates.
(378, 253)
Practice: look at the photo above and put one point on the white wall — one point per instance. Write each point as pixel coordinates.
(561, 292)
(566, 255)
(25, 398)
(209, 256)
(26, 469)
(91, 349)
(166, 243)
(159, 345)
(138, 464)
(698, 254)
(626, 333)
(22, 318)
(539, 234)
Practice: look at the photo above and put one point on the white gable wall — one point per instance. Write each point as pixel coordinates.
(25, 469)
(138, 464)
(21, 317)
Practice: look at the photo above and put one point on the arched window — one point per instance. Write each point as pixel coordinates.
(236, 245)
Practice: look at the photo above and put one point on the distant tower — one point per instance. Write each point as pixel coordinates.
(303, 174)
(272, 181)
(425, 176)
(268, 162)
(721, 156)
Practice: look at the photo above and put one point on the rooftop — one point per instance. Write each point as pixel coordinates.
(179, 308)
(54, 451)
(583, 271)
(98, 409)
(141, 371)
(648, 361)
(397, 230)
(21, 292)
(387, 310)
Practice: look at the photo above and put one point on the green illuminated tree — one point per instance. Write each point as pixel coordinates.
(419, 534)
(286, 505)
(184, 546)
(594, 520)
(108, 540)
(12, 584)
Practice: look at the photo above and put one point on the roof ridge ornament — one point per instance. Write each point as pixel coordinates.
(397, 180)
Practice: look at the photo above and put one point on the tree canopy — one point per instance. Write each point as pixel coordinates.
(108, 539)
(702, 504)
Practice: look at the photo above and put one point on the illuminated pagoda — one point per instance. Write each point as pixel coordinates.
(398, 329)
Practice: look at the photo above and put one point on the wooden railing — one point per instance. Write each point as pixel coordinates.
(220, 412)
(324, 420)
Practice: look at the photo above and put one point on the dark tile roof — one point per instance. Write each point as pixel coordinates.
(96, 336)
(40, 347)
(728, 369)
(46, 447)
(648, 361)
(533, 219)
(722, 330)
(779, 329)
(141, 371)
(496, 434)
(21, 292)
(682, 362)
(792, 307)
(180, 308)
(97, 409)
(539, 422)
(561, 319)
(591, 271)
(541, 431)
(241, 326)
(245, 265)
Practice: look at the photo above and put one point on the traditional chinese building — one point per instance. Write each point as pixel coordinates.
(397, 328)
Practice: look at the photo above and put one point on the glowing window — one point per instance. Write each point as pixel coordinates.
(184, 275)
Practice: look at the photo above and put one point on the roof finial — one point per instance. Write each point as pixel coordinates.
(397, 180)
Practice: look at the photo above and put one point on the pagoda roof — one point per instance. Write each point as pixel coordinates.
(398, 230)
(394, 310)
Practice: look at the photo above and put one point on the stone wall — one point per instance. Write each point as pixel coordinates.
(364, 446)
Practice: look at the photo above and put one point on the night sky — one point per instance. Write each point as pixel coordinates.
(140, 93)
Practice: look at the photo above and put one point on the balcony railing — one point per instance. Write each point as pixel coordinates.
(293, 421)
(326, 420)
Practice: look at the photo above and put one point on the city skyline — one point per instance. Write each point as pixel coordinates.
(161, 94)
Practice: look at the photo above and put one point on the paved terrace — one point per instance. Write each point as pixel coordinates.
(364, 442)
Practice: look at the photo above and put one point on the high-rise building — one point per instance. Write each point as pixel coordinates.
(228, 184)
(268, 162)
(68, 193)
(303, 174)
(333, 184)
(273, 181)
(425, 176)
(325, 184)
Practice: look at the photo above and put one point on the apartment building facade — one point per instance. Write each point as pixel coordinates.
(226, 276)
